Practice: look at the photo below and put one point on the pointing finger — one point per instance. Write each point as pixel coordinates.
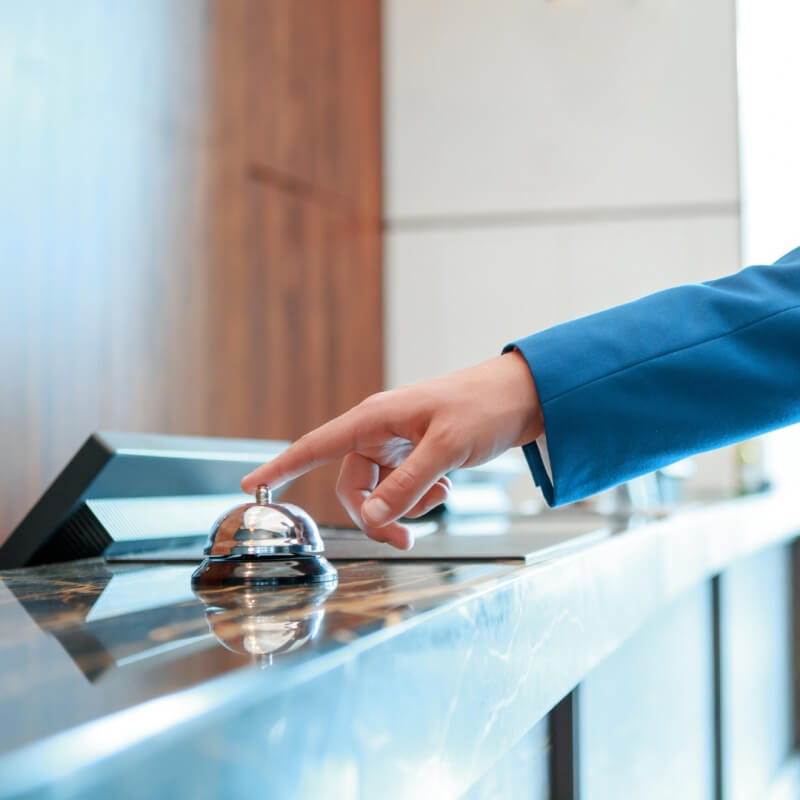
(326, 443)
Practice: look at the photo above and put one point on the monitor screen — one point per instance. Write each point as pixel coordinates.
(97, 500)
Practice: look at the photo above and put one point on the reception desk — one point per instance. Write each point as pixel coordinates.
(656, 662)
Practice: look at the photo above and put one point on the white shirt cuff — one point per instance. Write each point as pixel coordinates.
(541, 443)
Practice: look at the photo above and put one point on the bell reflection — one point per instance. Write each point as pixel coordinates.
(262, 621)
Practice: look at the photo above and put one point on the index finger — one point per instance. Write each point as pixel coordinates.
(330, 441)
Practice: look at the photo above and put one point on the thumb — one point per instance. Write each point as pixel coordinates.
(406, 484)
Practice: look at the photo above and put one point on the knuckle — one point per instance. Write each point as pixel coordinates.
(371, 401)
(342, 486)
(344, 478)
(447, 438)
(372, 407)
(403, 480)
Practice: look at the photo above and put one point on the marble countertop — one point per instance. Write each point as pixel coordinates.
(404, 676)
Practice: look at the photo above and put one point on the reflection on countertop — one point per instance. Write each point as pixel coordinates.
(80, 640)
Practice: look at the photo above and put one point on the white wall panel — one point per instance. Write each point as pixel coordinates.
(454, 297)
(549, 158)
(498, 105)
(769, 74)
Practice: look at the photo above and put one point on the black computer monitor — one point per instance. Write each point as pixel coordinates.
(111, 468)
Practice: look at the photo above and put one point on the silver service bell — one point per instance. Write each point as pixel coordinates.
(264, 543)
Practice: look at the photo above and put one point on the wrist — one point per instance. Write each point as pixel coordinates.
(522, 386)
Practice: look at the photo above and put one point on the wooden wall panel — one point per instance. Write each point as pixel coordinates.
(189, 224)
(297, 181)
(311, 268)
(317, 62)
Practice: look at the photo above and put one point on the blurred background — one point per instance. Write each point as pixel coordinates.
(238, 218)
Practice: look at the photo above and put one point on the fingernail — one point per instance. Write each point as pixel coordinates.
(376, 511)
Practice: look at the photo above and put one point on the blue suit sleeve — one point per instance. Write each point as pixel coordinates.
(636, 387)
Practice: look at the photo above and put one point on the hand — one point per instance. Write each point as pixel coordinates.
(398, 445)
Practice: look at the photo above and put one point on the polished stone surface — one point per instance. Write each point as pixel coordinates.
(646, 713)
(79, 641)
(523, 773)
(407, 679)
(755, 599)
